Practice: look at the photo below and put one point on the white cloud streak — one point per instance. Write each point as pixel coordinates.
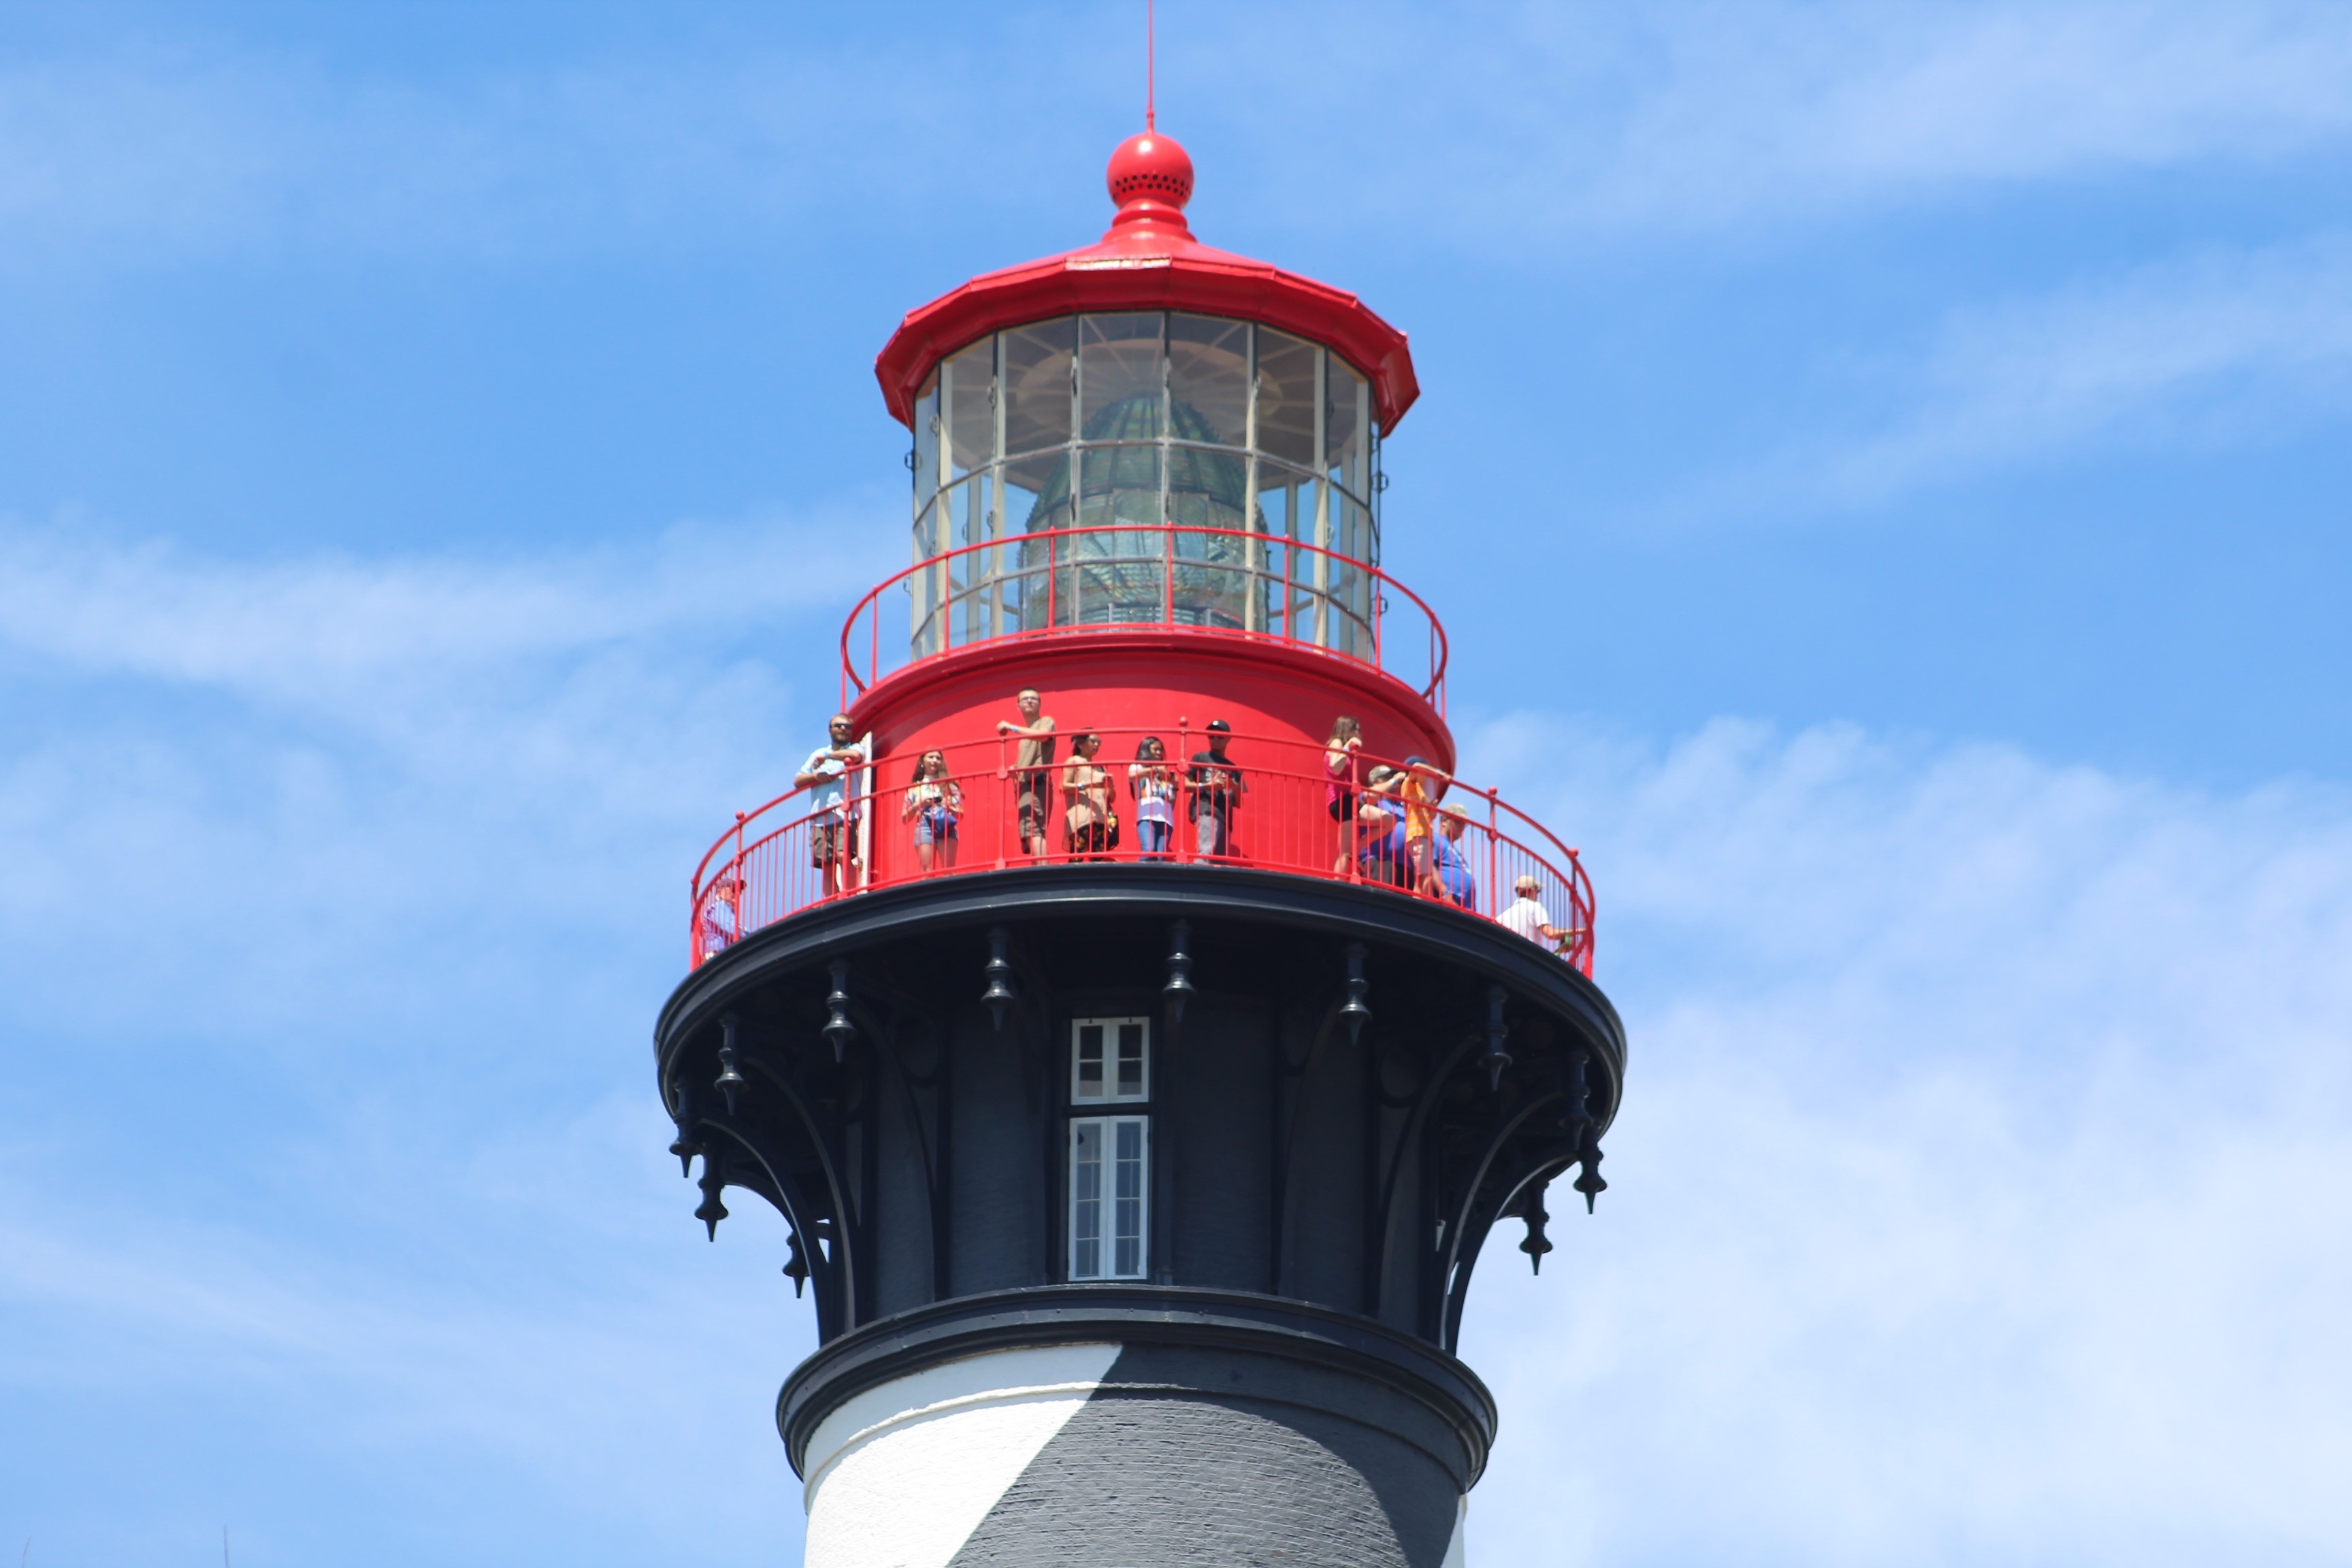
(1985, 1181)
(2235, 346)
(1487, 121)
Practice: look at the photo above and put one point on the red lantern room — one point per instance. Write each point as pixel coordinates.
(1170, 448)
(1137, 1019)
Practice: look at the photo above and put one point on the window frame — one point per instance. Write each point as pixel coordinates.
(1108, 1199)
(1110, 1059)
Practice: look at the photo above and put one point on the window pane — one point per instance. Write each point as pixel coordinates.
(1208, 379)
(1119, 376)
(1090, 1084)
(1128, 1204)
(1086, 1200)
(969, 392)
(1345, 425)
(927, 453)
(1038, 385)
(1285, 399)
(1131, 1061)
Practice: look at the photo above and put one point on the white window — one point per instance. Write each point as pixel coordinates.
(1110, 1161)
(1110, 1062)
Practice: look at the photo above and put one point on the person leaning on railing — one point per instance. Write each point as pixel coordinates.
(1527, 916)
(1380, 817)
(1447, 865)
(833, 815)
(1032, 765)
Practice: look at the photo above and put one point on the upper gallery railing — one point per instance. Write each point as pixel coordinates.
(1273, 805)
(1216, 581)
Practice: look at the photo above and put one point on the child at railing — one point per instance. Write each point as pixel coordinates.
(1152, 782)
(719, 921)
(934, 804)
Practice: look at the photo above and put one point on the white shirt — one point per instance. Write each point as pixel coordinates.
(1526, 917)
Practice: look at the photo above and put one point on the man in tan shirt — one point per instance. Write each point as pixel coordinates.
(1033, 767)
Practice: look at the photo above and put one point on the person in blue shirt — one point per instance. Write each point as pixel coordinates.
(1451, 870)
(1380, 814)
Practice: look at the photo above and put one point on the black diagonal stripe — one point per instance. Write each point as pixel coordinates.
(1197, 1457)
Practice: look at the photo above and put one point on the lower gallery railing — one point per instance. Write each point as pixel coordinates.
(1273, 805)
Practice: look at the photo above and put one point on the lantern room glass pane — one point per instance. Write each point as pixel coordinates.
(1208, 379)
(1285, 399)
(1119, 376)
(1037, 387)
(968, 391)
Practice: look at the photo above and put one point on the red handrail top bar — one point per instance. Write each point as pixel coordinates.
(1432, 691)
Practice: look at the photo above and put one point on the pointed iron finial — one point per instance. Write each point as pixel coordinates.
(712, 1211)
(1536, 1244)
(686, 1146)
(1580, 1124)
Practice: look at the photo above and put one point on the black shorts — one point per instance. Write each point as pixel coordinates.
(1344, 806)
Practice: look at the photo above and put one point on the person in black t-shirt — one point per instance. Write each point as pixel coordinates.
(1216, 790)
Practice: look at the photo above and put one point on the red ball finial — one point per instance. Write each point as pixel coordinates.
(1150, 176)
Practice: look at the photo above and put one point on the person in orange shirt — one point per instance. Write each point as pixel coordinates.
(1425, 784)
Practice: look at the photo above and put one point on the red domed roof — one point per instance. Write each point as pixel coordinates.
(1148, 261)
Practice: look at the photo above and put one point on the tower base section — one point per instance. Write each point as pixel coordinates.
(1133, 1428)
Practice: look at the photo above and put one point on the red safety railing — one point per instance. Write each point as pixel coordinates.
(1271, 804)
(1218, 582)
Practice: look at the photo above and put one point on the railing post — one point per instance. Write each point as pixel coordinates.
(1185, 796)
(1494, 887)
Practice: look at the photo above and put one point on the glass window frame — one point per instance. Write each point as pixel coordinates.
(1113, 1058)
(1106, 1200)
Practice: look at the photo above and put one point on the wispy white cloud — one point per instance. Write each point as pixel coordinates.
(1983, 1185)
(2222, 345)
(1527, 118)
(1479, 121)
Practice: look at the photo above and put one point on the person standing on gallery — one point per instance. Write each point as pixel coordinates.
(833, 813)
(1340, 785)
(1217, 790)
(1033, 765)
(1153, 783)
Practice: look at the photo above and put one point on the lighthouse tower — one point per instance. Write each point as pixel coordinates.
(1140, 1091)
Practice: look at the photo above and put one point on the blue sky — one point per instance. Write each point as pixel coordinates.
(1885, 470)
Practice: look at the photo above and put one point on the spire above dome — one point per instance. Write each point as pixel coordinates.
(1148, 260)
